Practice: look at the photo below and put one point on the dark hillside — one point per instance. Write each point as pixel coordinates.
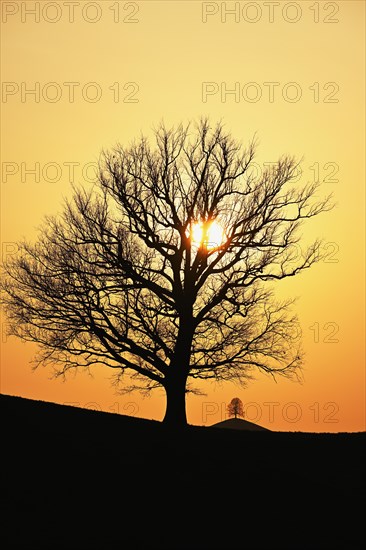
(239, 424)
(73, 478)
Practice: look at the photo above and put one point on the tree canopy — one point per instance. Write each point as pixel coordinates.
(128, 276)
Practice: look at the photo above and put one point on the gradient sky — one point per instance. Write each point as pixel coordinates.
(175, 61)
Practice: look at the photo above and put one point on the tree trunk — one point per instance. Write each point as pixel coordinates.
(175, 382)
(175, 414)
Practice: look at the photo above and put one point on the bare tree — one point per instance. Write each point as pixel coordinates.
(235, 407)
(128, 275)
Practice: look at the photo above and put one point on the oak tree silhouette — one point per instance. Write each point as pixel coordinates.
(235, 408)
(121, 279)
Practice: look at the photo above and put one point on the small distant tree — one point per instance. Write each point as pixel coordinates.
(235, 407)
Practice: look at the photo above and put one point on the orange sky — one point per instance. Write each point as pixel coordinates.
(110, 70)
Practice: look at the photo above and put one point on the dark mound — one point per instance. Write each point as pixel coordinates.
(78, 479)
(239, 424)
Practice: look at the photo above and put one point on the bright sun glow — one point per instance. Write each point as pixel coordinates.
(215, 234)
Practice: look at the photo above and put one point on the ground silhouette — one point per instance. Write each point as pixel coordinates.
(75, 478)
(239, 424)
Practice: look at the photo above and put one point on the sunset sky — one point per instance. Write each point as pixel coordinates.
(78, 79)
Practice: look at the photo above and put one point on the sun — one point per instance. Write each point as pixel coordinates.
(210, 234)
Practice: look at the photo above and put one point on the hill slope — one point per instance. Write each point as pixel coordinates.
(73, 478)
(239, 424)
